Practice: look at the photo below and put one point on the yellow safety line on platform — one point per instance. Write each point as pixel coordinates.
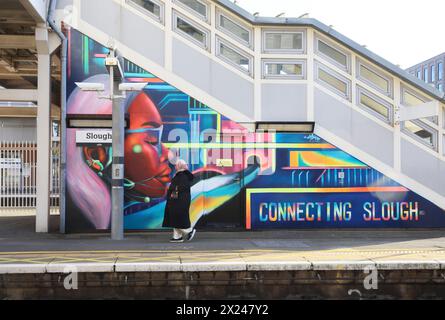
(215, 253)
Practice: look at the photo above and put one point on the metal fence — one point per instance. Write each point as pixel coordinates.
(18, 164)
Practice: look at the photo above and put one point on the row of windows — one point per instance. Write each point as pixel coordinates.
(294, 42)
(418, 129)
(273, 41)
(369, 75)
(428, 73)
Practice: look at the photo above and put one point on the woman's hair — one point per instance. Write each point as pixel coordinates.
(181, 165)
(88, 191)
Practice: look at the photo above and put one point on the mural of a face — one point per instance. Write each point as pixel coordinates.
(146, 159)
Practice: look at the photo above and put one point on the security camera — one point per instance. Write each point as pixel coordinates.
(132, 86)
(90, 86)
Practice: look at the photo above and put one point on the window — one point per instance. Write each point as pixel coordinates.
(433, 73)
(374, 105)
(440, 71)
(277, 41)
(238, 30)
(440, 87)
(234, 56)
(198, 7)
(153, 8)
(410, 99)
(419, 74)
(190, 30)
(425, 75)
(290, 69)
(333, 54)
(333, 81)
(421, 132)
(374, 78)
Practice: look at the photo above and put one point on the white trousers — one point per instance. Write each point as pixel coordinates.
(181, 233)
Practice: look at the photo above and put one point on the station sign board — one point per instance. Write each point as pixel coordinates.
(103, 136)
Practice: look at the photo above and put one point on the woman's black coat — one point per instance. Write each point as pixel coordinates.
(176, 213)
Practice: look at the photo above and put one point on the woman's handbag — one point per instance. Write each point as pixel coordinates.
(175, 193)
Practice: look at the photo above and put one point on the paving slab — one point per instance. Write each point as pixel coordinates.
(207, 262)
(148, 263)
(300, 265)
(336, 265)
(82, 263)
(21, 263)
(19, 268)
(406, 262)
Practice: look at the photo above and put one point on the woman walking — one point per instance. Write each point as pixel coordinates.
(177, 208)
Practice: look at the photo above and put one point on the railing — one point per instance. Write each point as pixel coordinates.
(18, 164)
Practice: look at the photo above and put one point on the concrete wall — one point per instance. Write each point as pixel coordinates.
(213, 78)
(422, 166)
(352, 126)
(284, 102)
(126, 27)
(193, 66)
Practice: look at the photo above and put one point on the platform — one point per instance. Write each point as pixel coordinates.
(318, 258)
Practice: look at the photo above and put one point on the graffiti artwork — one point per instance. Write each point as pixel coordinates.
(243, 179)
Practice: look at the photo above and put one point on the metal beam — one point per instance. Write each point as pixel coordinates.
(425, 110)
(18, 75)
(18, 112)
(18, 95)
(36, 8)
(20, 17)
(13, 41)
(43, 130)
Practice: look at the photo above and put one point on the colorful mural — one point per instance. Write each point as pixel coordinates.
(250, 180)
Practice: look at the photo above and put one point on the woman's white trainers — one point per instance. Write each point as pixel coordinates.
(191, 235)
(176, 240)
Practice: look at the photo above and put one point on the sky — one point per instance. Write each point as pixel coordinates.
(404, 32)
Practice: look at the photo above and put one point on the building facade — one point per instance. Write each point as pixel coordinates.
(431, 71)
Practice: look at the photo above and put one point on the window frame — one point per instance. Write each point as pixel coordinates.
(433, 73)
(386, 104)
(249, 44)
(443, 144)
(221, 41)
(440, 70)
(303, 49)
(419, 74)
(360, 63)
(334, 46)
(419, 96)
(205, 18)
(176, 15)
(423, 125)
(412, 92)
(161, 5)
(335, 74)
(265, 62)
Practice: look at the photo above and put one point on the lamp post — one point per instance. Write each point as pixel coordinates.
(118, 132)
(113, 64)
